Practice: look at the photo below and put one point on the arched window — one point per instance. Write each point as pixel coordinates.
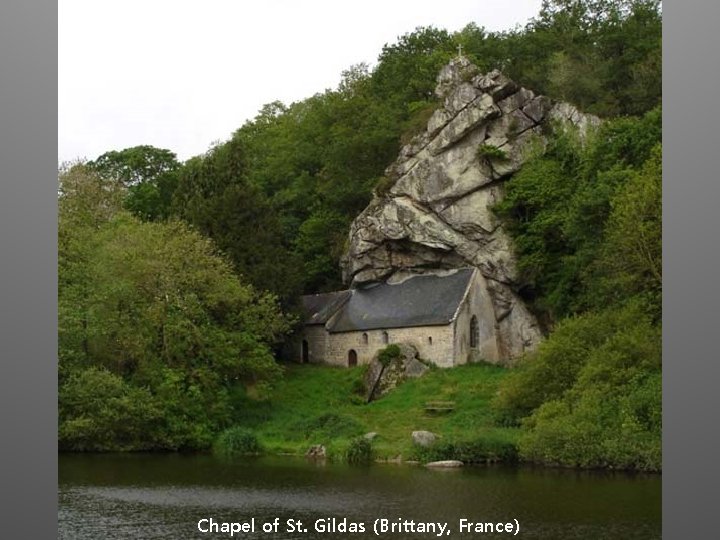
(385, 338)
(429, 340)
(474, 333)
(365, 338)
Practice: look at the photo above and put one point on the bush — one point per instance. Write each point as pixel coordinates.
(360, 451)
(591, 396)
(584, 213)
(554, 368)
(472, 451)
(612, 416)
(99, 411)
(383, 185)
(388, 354)
(237, 441)
(488, 152)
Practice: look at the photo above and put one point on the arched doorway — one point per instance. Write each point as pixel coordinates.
(305, 352)
(352, 358)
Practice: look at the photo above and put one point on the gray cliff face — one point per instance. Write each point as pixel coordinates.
(438, 215)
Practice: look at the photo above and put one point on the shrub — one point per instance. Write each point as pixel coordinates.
(488, 152)
(591, 395)
(470, 451)
(612, 416)
(99, 411)
(554, 368)
(388, 354)
(237, 441)
(360, 451)
(383, 185)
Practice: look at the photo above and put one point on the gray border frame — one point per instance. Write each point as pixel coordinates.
(691, 192)
(28, 231)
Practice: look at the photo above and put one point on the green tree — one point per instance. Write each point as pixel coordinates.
(99, 411)
(320, 242)
(558, 206)
(612, 414)
(215, 196)
(148, 173)
(407, 69)
(86, 203)
(602, 55)
(590, 396)
(630, 262)
(152, 313)
(161, 293)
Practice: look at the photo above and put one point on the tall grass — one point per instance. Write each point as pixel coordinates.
(237, 441)
(317, 405)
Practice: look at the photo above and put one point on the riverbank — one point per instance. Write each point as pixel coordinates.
(322, 405)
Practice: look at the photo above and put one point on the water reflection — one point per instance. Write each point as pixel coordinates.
(164, 496)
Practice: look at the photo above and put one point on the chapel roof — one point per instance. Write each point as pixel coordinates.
(420, 300)
(318, 308)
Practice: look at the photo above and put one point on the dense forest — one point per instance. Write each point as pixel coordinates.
(178, 281)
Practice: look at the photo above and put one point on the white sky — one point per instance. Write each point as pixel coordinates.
(181, 74)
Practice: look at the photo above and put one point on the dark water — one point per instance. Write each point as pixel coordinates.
(164, 496)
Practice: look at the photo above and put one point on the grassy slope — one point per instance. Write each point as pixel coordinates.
(288, 422)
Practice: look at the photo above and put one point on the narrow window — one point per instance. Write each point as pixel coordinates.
(305, 352)
(474, 333)
(429, 340)
(385, 338)
(365, 338)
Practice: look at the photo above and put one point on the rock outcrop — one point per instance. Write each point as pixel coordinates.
(423, 438)
(381, 377)
(438, 213)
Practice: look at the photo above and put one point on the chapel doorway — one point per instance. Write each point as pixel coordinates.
(305, 352)
(352, 358)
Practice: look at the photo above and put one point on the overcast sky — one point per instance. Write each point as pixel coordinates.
(182, 74)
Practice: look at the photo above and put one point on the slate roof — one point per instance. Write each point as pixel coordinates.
(318, 308)
(423, 300)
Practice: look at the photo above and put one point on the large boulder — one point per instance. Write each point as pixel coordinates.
(390, 367)
(437, 215)
(423, 438)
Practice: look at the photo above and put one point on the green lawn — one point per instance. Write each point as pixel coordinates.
(319, 405)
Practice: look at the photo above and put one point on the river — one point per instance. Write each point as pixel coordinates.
(164, 496)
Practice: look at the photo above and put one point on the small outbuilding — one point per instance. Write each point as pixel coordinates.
(447, 316)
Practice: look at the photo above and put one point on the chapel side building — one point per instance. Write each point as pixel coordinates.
(447, 316)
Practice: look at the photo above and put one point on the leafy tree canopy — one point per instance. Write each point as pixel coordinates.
(149, 173)
(152, 313)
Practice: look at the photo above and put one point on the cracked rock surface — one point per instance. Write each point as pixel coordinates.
(438, 213)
